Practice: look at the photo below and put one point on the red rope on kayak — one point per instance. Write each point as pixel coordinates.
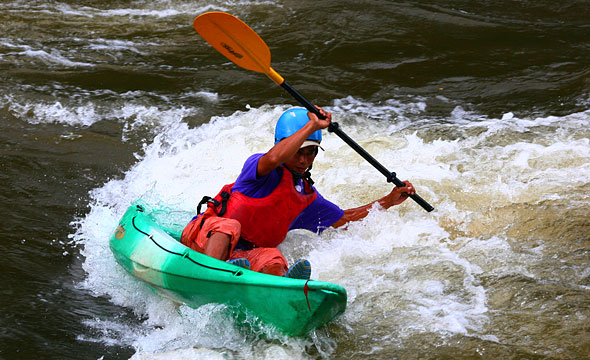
(305, 290)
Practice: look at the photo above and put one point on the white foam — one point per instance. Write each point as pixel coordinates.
(125, 108)
(110, 45)
(401, 110)
(55, 112)
(161, 9)
(53, 57)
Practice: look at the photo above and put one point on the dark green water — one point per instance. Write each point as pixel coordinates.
(485, 105)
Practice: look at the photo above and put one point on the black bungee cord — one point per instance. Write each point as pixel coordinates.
(185, 255)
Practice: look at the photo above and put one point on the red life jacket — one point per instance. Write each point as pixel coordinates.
(265, 221)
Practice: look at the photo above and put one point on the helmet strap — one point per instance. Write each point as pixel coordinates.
(305, 176)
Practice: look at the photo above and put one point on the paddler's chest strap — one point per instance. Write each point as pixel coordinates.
(218, 202)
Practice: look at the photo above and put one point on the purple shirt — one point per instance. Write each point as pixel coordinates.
(318, 216)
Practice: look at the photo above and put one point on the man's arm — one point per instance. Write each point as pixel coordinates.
(395, 197)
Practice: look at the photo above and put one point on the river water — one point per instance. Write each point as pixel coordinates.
(483, 105)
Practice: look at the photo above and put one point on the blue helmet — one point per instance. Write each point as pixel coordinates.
(292, 121)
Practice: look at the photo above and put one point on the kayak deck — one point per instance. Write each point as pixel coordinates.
(149, 252)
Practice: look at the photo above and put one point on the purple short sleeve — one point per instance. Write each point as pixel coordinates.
(253, 186)
(318, 216)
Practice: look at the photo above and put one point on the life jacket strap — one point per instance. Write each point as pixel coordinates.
(207, 200)
(214, 203)
(224, 199)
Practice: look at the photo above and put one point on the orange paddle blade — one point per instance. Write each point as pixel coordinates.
(236, 41)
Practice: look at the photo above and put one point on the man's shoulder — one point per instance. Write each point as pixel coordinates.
(250, 184)
(250, 168)
(253, 159)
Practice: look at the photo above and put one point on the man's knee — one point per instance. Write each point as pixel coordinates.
(226, 233)
(218, 246)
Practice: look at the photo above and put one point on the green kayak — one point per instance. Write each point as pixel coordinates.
(154, 254)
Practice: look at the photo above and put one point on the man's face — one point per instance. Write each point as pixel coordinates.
(302, 159)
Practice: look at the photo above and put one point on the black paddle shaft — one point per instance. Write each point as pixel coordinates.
(335, 128)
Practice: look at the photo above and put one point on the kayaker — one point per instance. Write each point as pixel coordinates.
(272, 195)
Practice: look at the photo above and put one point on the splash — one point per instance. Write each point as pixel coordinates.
(407, 272)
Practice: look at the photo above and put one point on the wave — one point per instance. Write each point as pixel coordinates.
(422, 272)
